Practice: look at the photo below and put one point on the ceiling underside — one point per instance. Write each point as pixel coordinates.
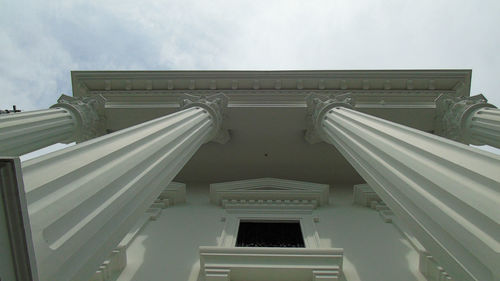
(266, 114)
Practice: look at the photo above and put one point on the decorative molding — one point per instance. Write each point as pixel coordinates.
(233, 218)
(269, 192)
(410, 85)
(317, 106)
(290, 264)
(256, 84)
(215, 105)
(175, 193)
(321, 84)
(454, 114)
(432, 85)
(88, 113)
(278, 84)
(364, 195)
(428, 266)
(269, 204)
(431, 269)
(81, 89)
(424, 99)
(344, 85)
(270, 199)
(299, 82)
(110, 269)
(327, 275)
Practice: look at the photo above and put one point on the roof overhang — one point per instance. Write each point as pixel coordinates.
(272, 88)
(267, 113)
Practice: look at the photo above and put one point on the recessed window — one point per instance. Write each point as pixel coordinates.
(270, 234)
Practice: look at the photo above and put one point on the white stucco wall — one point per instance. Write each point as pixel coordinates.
(167, 249)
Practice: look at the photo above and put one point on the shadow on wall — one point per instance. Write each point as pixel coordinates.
(168, 247)
(373, 250)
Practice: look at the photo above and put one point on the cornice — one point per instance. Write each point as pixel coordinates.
(269, 192)
(409, 73)
(86, 82)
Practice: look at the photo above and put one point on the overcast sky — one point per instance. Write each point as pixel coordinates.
(41, 41)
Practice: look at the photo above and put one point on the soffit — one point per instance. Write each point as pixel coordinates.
(266, 113)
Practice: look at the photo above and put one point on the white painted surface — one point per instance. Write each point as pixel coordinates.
(43, 151)
(446, 191)
(268, 123)
(167, 249)
(256, 192)
(83, 199)
(71, 119)
(484, 126)
(24, 132)
(276, 264)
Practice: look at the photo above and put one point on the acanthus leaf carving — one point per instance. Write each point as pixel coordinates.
(88, 113)
(216, 106)
(317, 106)
(453, 113)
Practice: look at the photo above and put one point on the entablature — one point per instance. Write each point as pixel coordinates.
(373, 88)
(266, 113)
(271, 80)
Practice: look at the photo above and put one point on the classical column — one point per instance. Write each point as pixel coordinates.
(447, 192)
(83, 199)
(71, 119)
(470, 120)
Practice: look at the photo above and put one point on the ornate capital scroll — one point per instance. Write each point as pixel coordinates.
(216, 106)
(317, 106)
(454, 114)
(88, 113)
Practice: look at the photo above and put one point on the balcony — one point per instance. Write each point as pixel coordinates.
(277, 264)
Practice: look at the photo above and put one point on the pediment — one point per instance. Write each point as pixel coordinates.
(267, 192)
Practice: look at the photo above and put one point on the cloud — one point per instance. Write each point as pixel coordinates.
(42, 41)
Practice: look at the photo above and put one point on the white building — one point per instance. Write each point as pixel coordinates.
(254, 175)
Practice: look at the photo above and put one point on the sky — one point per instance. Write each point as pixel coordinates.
(42, 41)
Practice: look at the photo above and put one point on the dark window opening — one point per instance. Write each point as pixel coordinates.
(270, 234)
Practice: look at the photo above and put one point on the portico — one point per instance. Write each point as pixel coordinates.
(138, 131)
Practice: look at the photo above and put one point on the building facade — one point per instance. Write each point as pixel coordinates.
(255, 175)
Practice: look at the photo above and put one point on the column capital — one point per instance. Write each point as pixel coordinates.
(317, 106)
(453, 114)
(88, 113)
(216, 106)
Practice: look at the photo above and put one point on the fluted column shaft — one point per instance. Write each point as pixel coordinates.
(447, 192)
(69, 120)
(470, 120)
(83, 199)
(483, 126)
(24, 132)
